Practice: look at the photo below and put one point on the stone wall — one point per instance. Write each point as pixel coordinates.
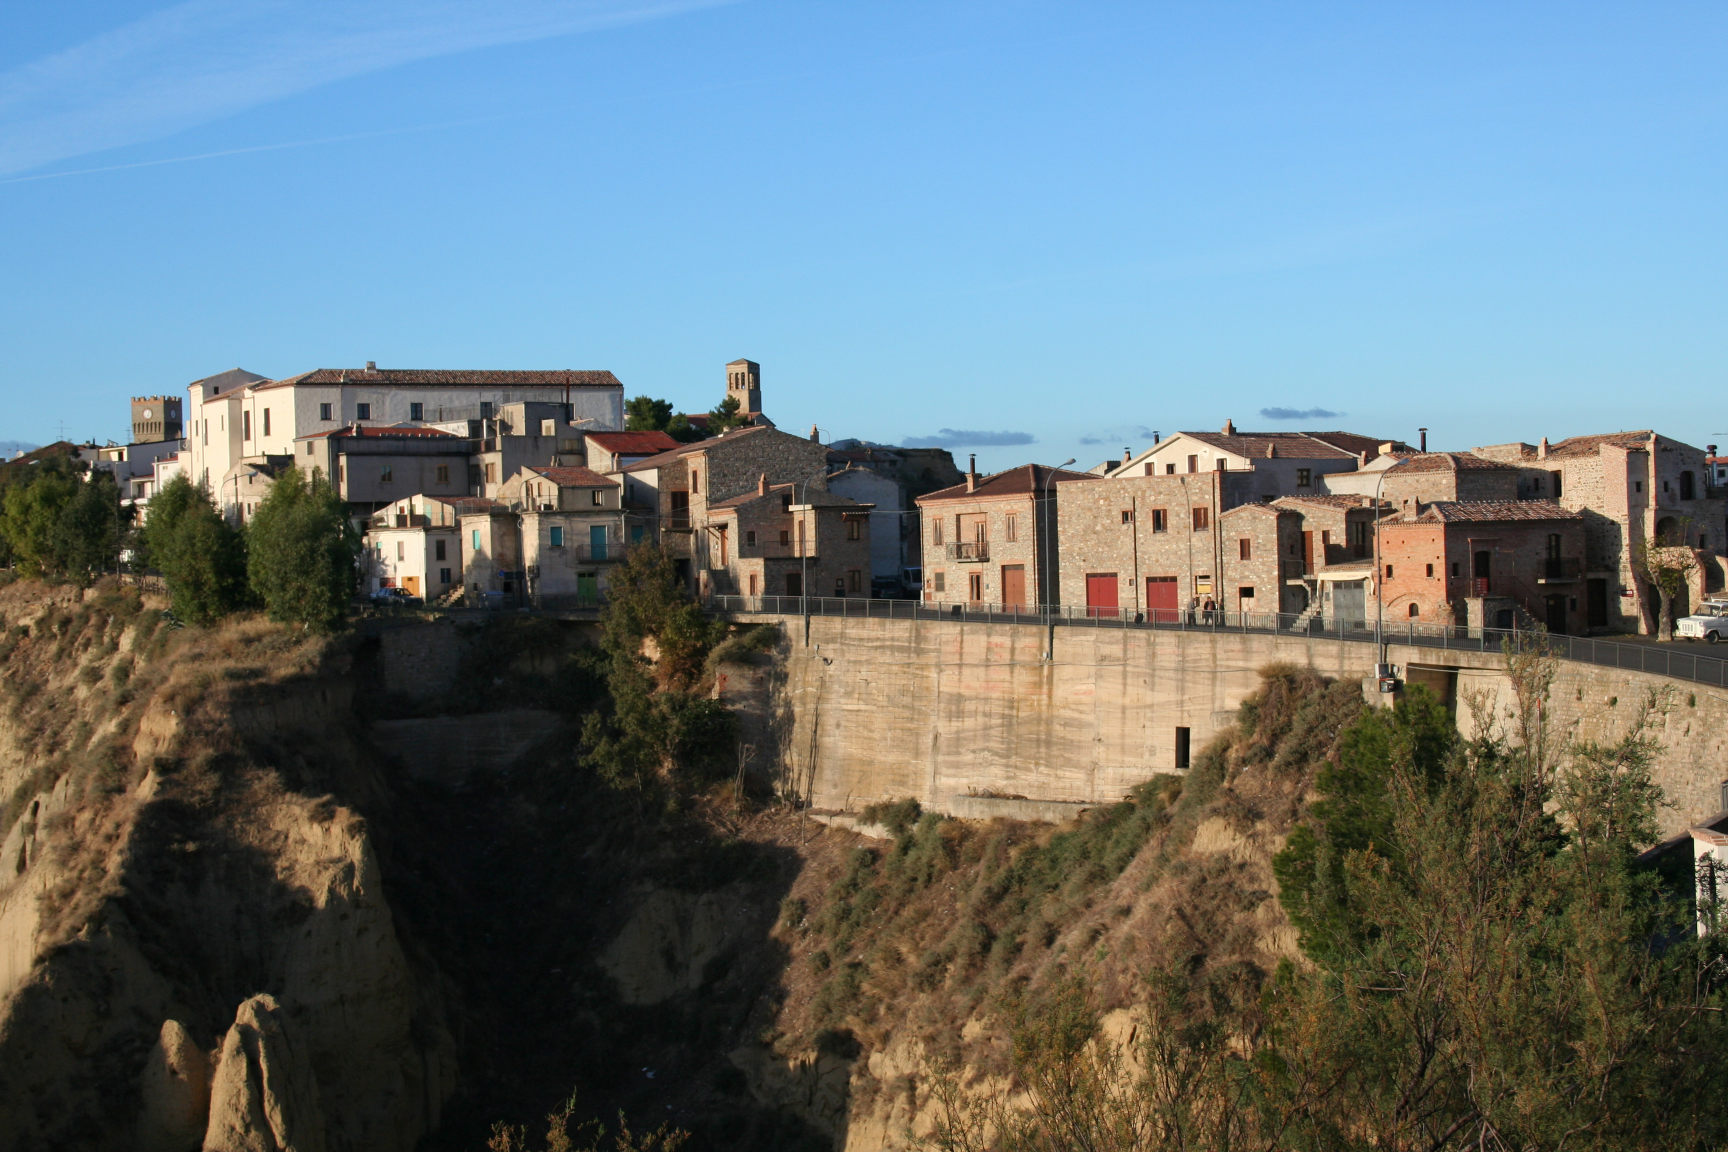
(879, 709)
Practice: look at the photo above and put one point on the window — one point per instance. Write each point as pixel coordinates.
(476, 541)
(1388, 571)
(786, 505)
(400, 550)
(696, 480)
(720, 534)
(785, 537)
(443, 473)
(1160, 519)
(491, 473)
(1202, 519)
(936, 531)
(975, 588)
(1637, 485)
(1182, 748)
(1687, 492)
(750, 539)
(854, 529)
(443, 575)
(341, 473)
(753, 584)
(308, 448)
(1011, 526)
(1415, 611)
(323, 411)
(246, 426)
(548, 427)
(938, 582)
(1244, 593)
(1193, 463)
(1430, 571)
(1454, 569)
(854, 580)
(1245, 549)
(1221, 464)
(384, 474)
(416, 411)
(362, 411)
(1127, 516)
(1170, 469)
(556, 534)
(266, 421)
(1556, 476)
(1304, 477)
(595, 498)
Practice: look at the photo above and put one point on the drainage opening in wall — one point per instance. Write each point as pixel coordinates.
(1182, 748)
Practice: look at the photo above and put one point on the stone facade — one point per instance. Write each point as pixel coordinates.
(994, 540)
(768, 544)
(1425, 477)
(492, 569)
(1477, 564)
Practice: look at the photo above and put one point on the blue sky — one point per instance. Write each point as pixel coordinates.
(1028, 230)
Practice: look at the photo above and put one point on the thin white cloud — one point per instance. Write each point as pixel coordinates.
(202, 60)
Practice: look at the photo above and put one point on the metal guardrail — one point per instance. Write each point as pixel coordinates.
(1664, 660)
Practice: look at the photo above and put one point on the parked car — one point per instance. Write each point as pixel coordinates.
(399, 596)
(886, 588)
(912, 582)
(1709, 623)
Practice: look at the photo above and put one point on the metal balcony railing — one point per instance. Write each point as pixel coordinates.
(965, 550)
(1561, 568)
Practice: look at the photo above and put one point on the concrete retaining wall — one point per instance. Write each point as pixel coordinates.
(943, 709)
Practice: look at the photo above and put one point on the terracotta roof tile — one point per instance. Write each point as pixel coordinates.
(1295, 445)
(1449, 462)
(451, 377)
(1329, 500)
(668, 456)
(382, 432)
(575, 476)
(1489, 511)
(634, 443)
(1014, 482)
(1590, 445)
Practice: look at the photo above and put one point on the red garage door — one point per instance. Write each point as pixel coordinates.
(1101, 594)
(1161, 605)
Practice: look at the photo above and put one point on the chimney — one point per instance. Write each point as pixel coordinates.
(371, 365)
(1542, 449)
(762, 484)
(1127, 455)
(815, 434)
(1229, 427)
(972, 474)
(1386, 448)
(1271, 451)
(1155, 437)
(1423, 432)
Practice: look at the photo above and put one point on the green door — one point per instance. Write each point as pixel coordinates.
(597, 542)
(587, 587)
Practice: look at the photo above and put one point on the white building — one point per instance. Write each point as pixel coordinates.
(238, 417)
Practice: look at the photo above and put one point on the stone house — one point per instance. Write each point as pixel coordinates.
(1159, 547)
(667, 497)
(992, 540)
(1495, 564)
(612, 451)
(1257, 466)
(372, 467)
(887, 519)
(412, 544)
(571, 525)
(778, 541)
(892, 479)
(491, 548)
(1633, 489)
(1425, 477)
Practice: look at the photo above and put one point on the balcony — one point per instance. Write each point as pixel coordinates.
(969, 551)
(1560, 570)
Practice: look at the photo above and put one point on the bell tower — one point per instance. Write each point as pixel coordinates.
(744, 383)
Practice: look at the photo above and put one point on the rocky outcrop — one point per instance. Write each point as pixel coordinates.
(264, 1097)
(176, 1091)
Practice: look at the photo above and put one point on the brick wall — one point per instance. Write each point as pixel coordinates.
(1113, 527)
(1004, 544)
(1429, 566)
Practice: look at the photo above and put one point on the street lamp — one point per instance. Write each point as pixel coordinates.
(1379, 573)
(1047, 548)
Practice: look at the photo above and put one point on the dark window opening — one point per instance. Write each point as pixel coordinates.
(1182, 748)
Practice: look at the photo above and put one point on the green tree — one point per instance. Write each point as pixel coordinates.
(662, 727)
(1666, 564)
(301, 552)
(726, 416)
(681, 430)
(61, 523)
(646, 414)
(199, 553)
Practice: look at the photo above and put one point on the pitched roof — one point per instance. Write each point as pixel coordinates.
(818, 498)
(634, 443)
(1489, 511)
(575, 476)
(1590, 445)
(1330, 500)
(1295, 445)
(1449, 462)
(226, 381)
(381, 432)
(667, 457)
(1256, 506)
(1019, 481)
(451, 377)
(470, 505)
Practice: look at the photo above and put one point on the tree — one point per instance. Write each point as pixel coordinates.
(726, 416)
(646, 414)
(199, 553)
(301, 552)
(1664, 563)
(61, 523)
